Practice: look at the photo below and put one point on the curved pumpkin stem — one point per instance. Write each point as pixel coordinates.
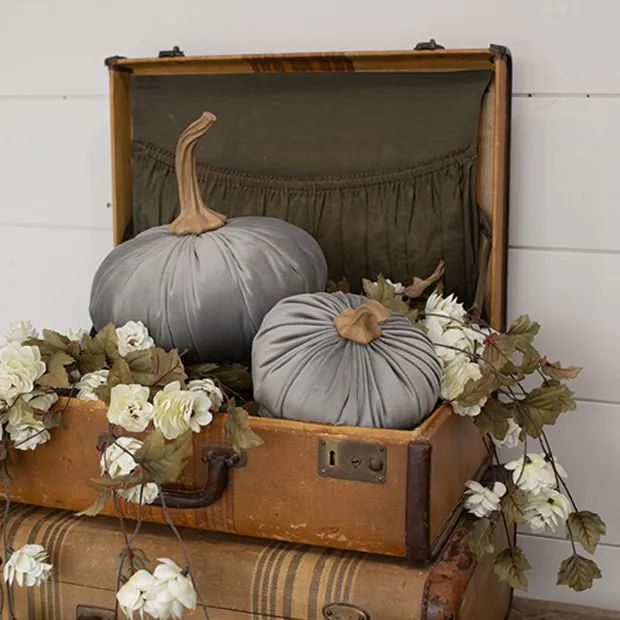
(195, 216)
(361, 324)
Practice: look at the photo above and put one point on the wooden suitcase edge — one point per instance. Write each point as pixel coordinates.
(417, 507)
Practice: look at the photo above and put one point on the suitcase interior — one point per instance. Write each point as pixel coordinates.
(349, 101)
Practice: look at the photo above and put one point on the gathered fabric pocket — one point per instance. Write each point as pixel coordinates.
(399, 223)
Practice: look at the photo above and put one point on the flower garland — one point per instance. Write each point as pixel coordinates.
(148, 391)
(483, 379)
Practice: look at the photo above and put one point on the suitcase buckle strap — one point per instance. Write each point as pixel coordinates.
(219, 460)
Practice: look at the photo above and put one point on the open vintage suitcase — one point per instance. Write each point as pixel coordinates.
(335, 113)
(242, 578)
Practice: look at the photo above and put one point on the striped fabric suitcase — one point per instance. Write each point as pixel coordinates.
(243, 578)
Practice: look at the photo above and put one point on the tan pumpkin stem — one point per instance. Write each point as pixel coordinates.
(361, 324)
(195, 216)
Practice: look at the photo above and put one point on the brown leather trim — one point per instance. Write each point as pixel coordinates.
(447, 579)
(417, 515)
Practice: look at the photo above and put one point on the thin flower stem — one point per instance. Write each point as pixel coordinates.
(173, 527)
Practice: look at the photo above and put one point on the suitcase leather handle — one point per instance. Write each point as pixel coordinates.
(219, 460)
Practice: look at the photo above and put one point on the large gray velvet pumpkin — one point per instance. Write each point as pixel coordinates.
(342, 359)
(204, 284)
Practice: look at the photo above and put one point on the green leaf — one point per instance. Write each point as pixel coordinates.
(55, 340)
(235, 377)
(239, 434)
(578, 573)
(522, 330)
(513, 505)
(384, 292)
(105, 483)
(103, 393)
(56, 376)
(498, 350)
(91, 362)
(542, 406)
(120, 373)
(493, 419)
(420, 285)
(162, 461)
(587, 528)
(510, 566)
(532, 360)
(105, 341)
(479, 538)
(155, 367)
(556, 371)
(96, 507)
(490, 381)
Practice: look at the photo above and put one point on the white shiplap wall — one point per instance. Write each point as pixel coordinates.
(55, 221)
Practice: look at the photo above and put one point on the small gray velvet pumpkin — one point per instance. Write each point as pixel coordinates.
(204, 284)
(342, 359)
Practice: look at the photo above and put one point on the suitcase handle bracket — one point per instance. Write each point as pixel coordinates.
(219, 460)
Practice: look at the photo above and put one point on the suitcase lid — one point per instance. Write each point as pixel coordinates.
(153, 97)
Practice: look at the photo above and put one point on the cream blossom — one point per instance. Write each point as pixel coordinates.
(130, 407)
(91, 380)
(171, 593)
(133, 336)
(209, 387)
(117, 461)
(27, 565)
(456, 375)
(25, 430)
(547, 509)
(482, 501)
(21, 331)
(177, 410)
(148, 492)
(40, 400)
(511, 438)
(132, 595)
(448, 307)
(399, 287)
(75, 334)
(535, 474)
(20, 367)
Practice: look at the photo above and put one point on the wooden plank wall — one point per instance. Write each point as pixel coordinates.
(55, 223)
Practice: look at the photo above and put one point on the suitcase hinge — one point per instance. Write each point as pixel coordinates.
(428, 46)
(173, 53)
(343, 611)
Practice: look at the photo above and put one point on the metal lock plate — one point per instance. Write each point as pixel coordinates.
(362, 461)
(342, 611)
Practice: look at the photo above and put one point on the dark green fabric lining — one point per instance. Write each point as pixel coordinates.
(380, 167)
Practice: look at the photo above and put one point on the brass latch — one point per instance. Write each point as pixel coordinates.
(362, 461)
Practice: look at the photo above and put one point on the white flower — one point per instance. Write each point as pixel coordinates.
(89, 382)
(482, 501)
(549, 508)
(448, 307)
(27, 566)
(148, 491)
(511, 438)
(20, 367)
(399, 287)
(456, 375)
(171, 593)
(76, 334)
(132, 595)
(21, 331)
(130, 407)
(177, 410)
(40, 400)
(536, 474)
(26, 431)
(133, 336)
(210, 389)
(117, 460)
